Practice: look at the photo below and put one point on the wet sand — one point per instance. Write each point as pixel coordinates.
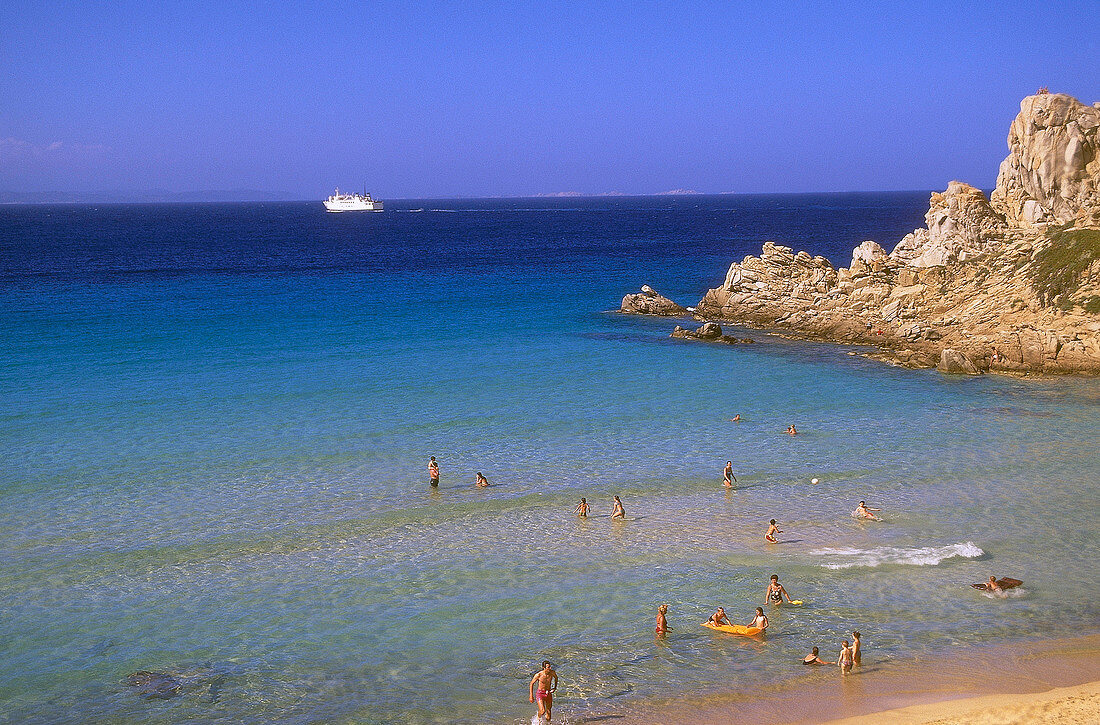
(943, 687)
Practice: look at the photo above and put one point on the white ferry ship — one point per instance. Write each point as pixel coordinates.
(352, 202)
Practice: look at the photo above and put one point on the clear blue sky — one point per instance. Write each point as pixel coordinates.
(480, 99)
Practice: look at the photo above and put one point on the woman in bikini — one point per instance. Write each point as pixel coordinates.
(618, 512)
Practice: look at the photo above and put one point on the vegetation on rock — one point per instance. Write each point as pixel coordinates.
(1061, 268)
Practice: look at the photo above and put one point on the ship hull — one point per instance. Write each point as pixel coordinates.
(345, 206)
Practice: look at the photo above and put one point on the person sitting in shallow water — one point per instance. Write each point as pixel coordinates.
(813, 659)
(719, 618)
(760, 620)
(772, 531)
(481, 481)
(863, 511)
(618, 512)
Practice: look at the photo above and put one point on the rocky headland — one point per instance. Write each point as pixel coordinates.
(1008, 283)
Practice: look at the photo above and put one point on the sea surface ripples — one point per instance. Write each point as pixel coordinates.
(216, 422)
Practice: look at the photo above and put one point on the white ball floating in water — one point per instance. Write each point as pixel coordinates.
(813, 480)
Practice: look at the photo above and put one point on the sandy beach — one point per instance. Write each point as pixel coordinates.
(1051, 681)
(1053, 707)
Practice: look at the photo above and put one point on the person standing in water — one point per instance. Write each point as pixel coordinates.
(433, 471)
(772, 531)
(582, 509)
(845, 658)
(662, 623)
(727, 475)
(547, 681)
(855, 648)
(618, 512)
(760, 620)
(775, 592)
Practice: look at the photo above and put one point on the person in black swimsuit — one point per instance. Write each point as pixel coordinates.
(775, 592)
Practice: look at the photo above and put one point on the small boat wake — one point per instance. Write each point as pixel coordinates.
(847, 558)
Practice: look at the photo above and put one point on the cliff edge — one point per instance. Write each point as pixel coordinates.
(1007, 283)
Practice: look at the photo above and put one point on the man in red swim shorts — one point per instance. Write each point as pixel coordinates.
(547, 680)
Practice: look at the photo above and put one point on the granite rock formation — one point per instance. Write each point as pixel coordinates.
(1008, 283)
(709, 332)
(1052, 173)
(650, 302)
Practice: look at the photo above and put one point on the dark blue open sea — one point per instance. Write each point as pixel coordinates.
(215, 422)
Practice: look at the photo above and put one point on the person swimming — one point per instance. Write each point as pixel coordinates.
(775, 592)
(863, 511)
(760, 620)
(582, 509)
(813, 659)
(772, 531)
(736, 418)
(618, 512)
(662, 623)
(791, 430)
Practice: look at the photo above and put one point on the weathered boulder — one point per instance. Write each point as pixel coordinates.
(953, 361)
(868, 253)
(708, 332)
(1052, 172)
(650, 302)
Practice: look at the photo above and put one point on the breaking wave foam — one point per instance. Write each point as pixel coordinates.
(923, 556)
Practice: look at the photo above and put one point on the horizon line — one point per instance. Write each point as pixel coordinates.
(273, 197)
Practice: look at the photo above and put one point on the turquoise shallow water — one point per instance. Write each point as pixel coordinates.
(216, 423)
